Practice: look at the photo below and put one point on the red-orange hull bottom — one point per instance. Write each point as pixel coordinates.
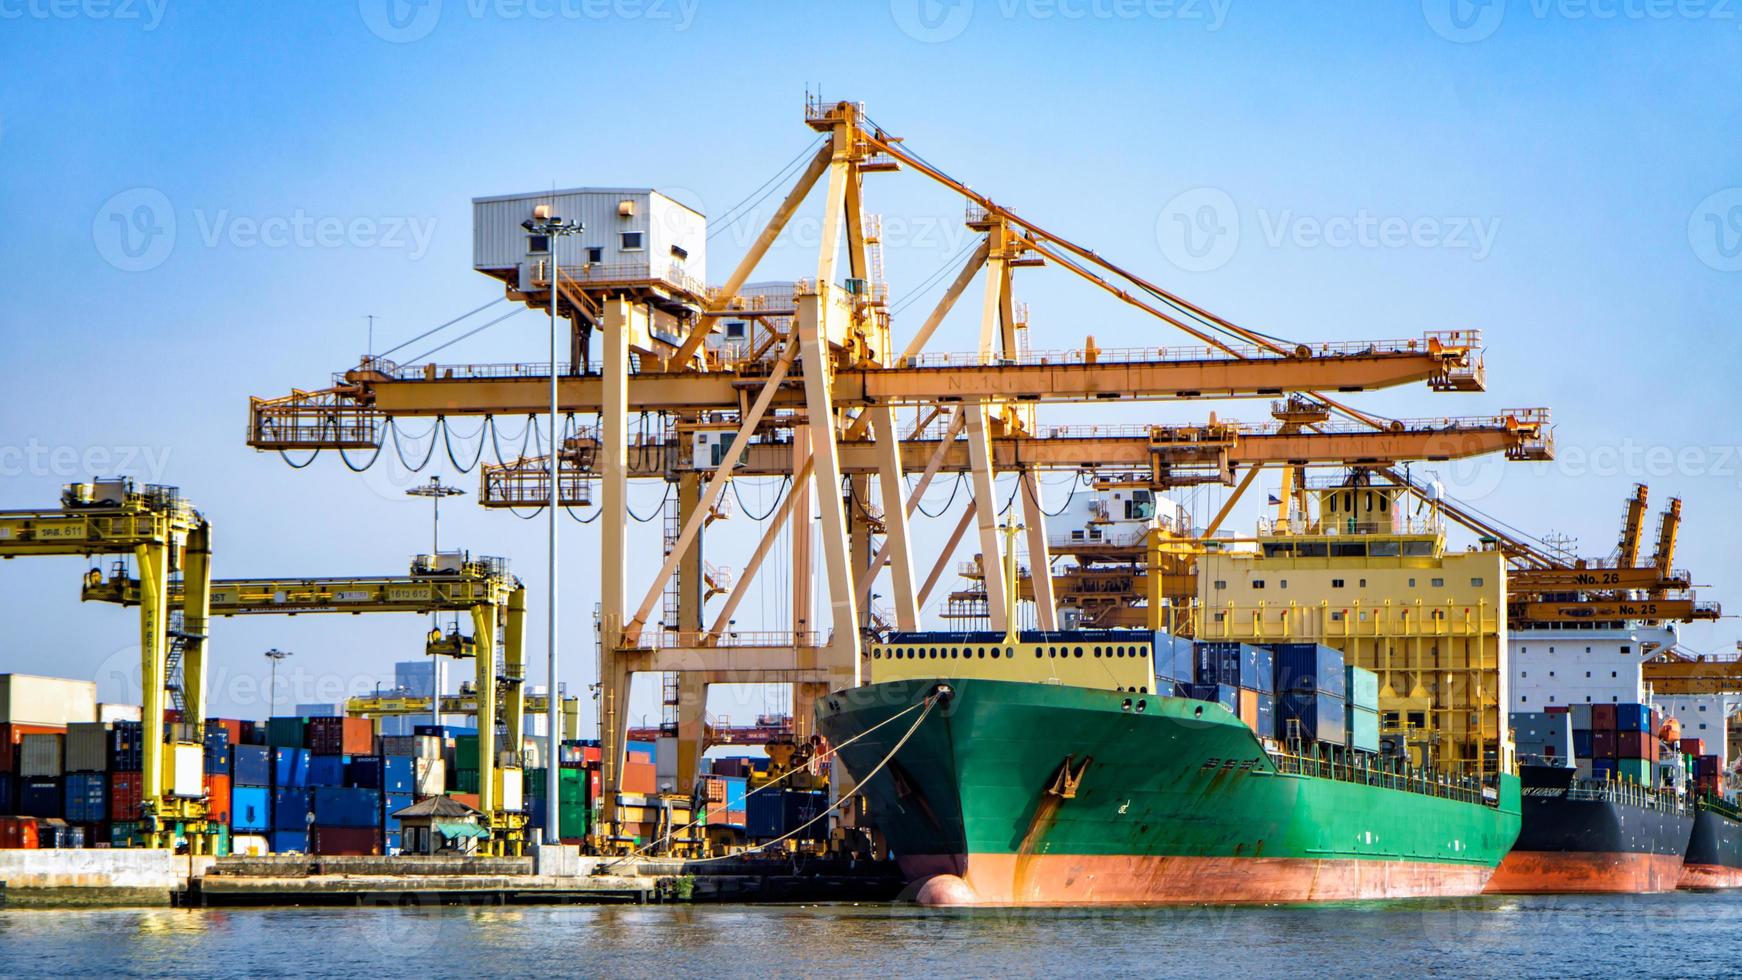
(1710, 876)
(1067, 879)
(1585, 872)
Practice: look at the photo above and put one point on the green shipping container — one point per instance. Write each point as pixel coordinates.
(125, 833)
(1363, 687)
(1362, 727)
(465, 780)
(286, 733)
(1635, 770)
(466, 756)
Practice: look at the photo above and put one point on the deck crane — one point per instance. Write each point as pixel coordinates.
(464, 703)
(446, 582)
(814, 394)
(172, 545)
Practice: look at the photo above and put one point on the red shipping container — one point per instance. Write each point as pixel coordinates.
(1603, 744)
(1558, 709)
(1632, 745)
(218, 798)
(348, 841)
(1693, 746)
(341, 736)
(18, 833)
(12, 734)
(1602, 717)
(592, 753)
(232, 728)
(126, 795)
(469, 799)
(639, 777)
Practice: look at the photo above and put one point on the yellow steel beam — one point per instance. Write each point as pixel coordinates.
(1606, 610)
(1599, 578)
(355, 595)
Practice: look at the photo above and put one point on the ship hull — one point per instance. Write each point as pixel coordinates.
(1174, 802)
(1571, 845)
(1714, 858)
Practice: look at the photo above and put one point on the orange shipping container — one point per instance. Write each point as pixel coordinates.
(18, 833)
(639, 777)
(12, 734)
(218, 798)
(1248, 704)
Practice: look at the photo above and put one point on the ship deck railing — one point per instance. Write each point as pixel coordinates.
(1619, 791)
(1461, 788)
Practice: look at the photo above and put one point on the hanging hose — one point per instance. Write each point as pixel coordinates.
(929, 703)
(778, 496)
(643, 520)
(398, 450)
(960, 477)
(447, 432)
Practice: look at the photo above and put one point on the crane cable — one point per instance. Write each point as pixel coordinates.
(928, 703)
(426, 333)
(725, 222)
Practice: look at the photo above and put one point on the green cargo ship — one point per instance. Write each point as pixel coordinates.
(1048, 771)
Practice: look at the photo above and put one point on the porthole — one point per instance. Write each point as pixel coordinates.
(1097, 651)
(1142, 705)
(1079, 653)
(1125, 705)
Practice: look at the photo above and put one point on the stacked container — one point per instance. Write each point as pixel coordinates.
(1241, 678)
(1361, 709)
(1623, 744)
(1311, 685)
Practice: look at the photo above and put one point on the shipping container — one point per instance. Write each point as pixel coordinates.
(41, 755)
(218, 798)
(351, 841)
(18, 834)
(87, 747)
(1633, 718)
(431, 778)
(55, 701)
(251, 765)
(57, 834)
(10, 734)
(126, 746)
(290, 808)
(415, 746)
(1248, 708)
(41, 796)
(340, 806)
(110, 713)
(765, 815)
(1603, 769)
(327, 770)
(1603, 745)
(250, 845)
(1602, 717)
(1307, 668)
(639, 777)
(341, 736)
(8, 792)
(1319, 717)
(1363, 687)
(806, 807)
(1635, 745)
(1584, 744)
(290, 767)
(1693, 746)
(1635, 770)
(217, 743)
(289, 842)
(1361, 728)
(1581, 717)
(126, 795)
(126, 833)
(392, 803)
(87, 797)
(251, 809)
(230, 727)
(287, 732)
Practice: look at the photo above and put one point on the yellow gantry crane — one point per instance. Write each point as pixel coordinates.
(813, 393)
(172, 546)
(446, 582)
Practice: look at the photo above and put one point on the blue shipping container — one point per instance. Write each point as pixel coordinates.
(8, 799)
(1266, 713)
(647, 747)
(250, 809)
(342, 806)
(1632, 717)
(290, 808)
(250, 765)
(1584, 745)
(736, 788)
(40, 797)
(1173, 658)
(288, 841)
(1226, 695)
(87, 797)
(390, 842)
(327, 770)
(1603, 769)
(127, 746)
(392, 803)
(290, 767)
(764, 815)
(802, 807)
(1320, 716)
(1305, 668)
(1258, 671)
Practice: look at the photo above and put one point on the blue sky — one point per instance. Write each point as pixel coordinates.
(1562, 175)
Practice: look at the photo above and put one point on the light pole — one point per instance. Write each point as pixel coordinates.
(435, 490)
(274, 655)
(553, 229)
